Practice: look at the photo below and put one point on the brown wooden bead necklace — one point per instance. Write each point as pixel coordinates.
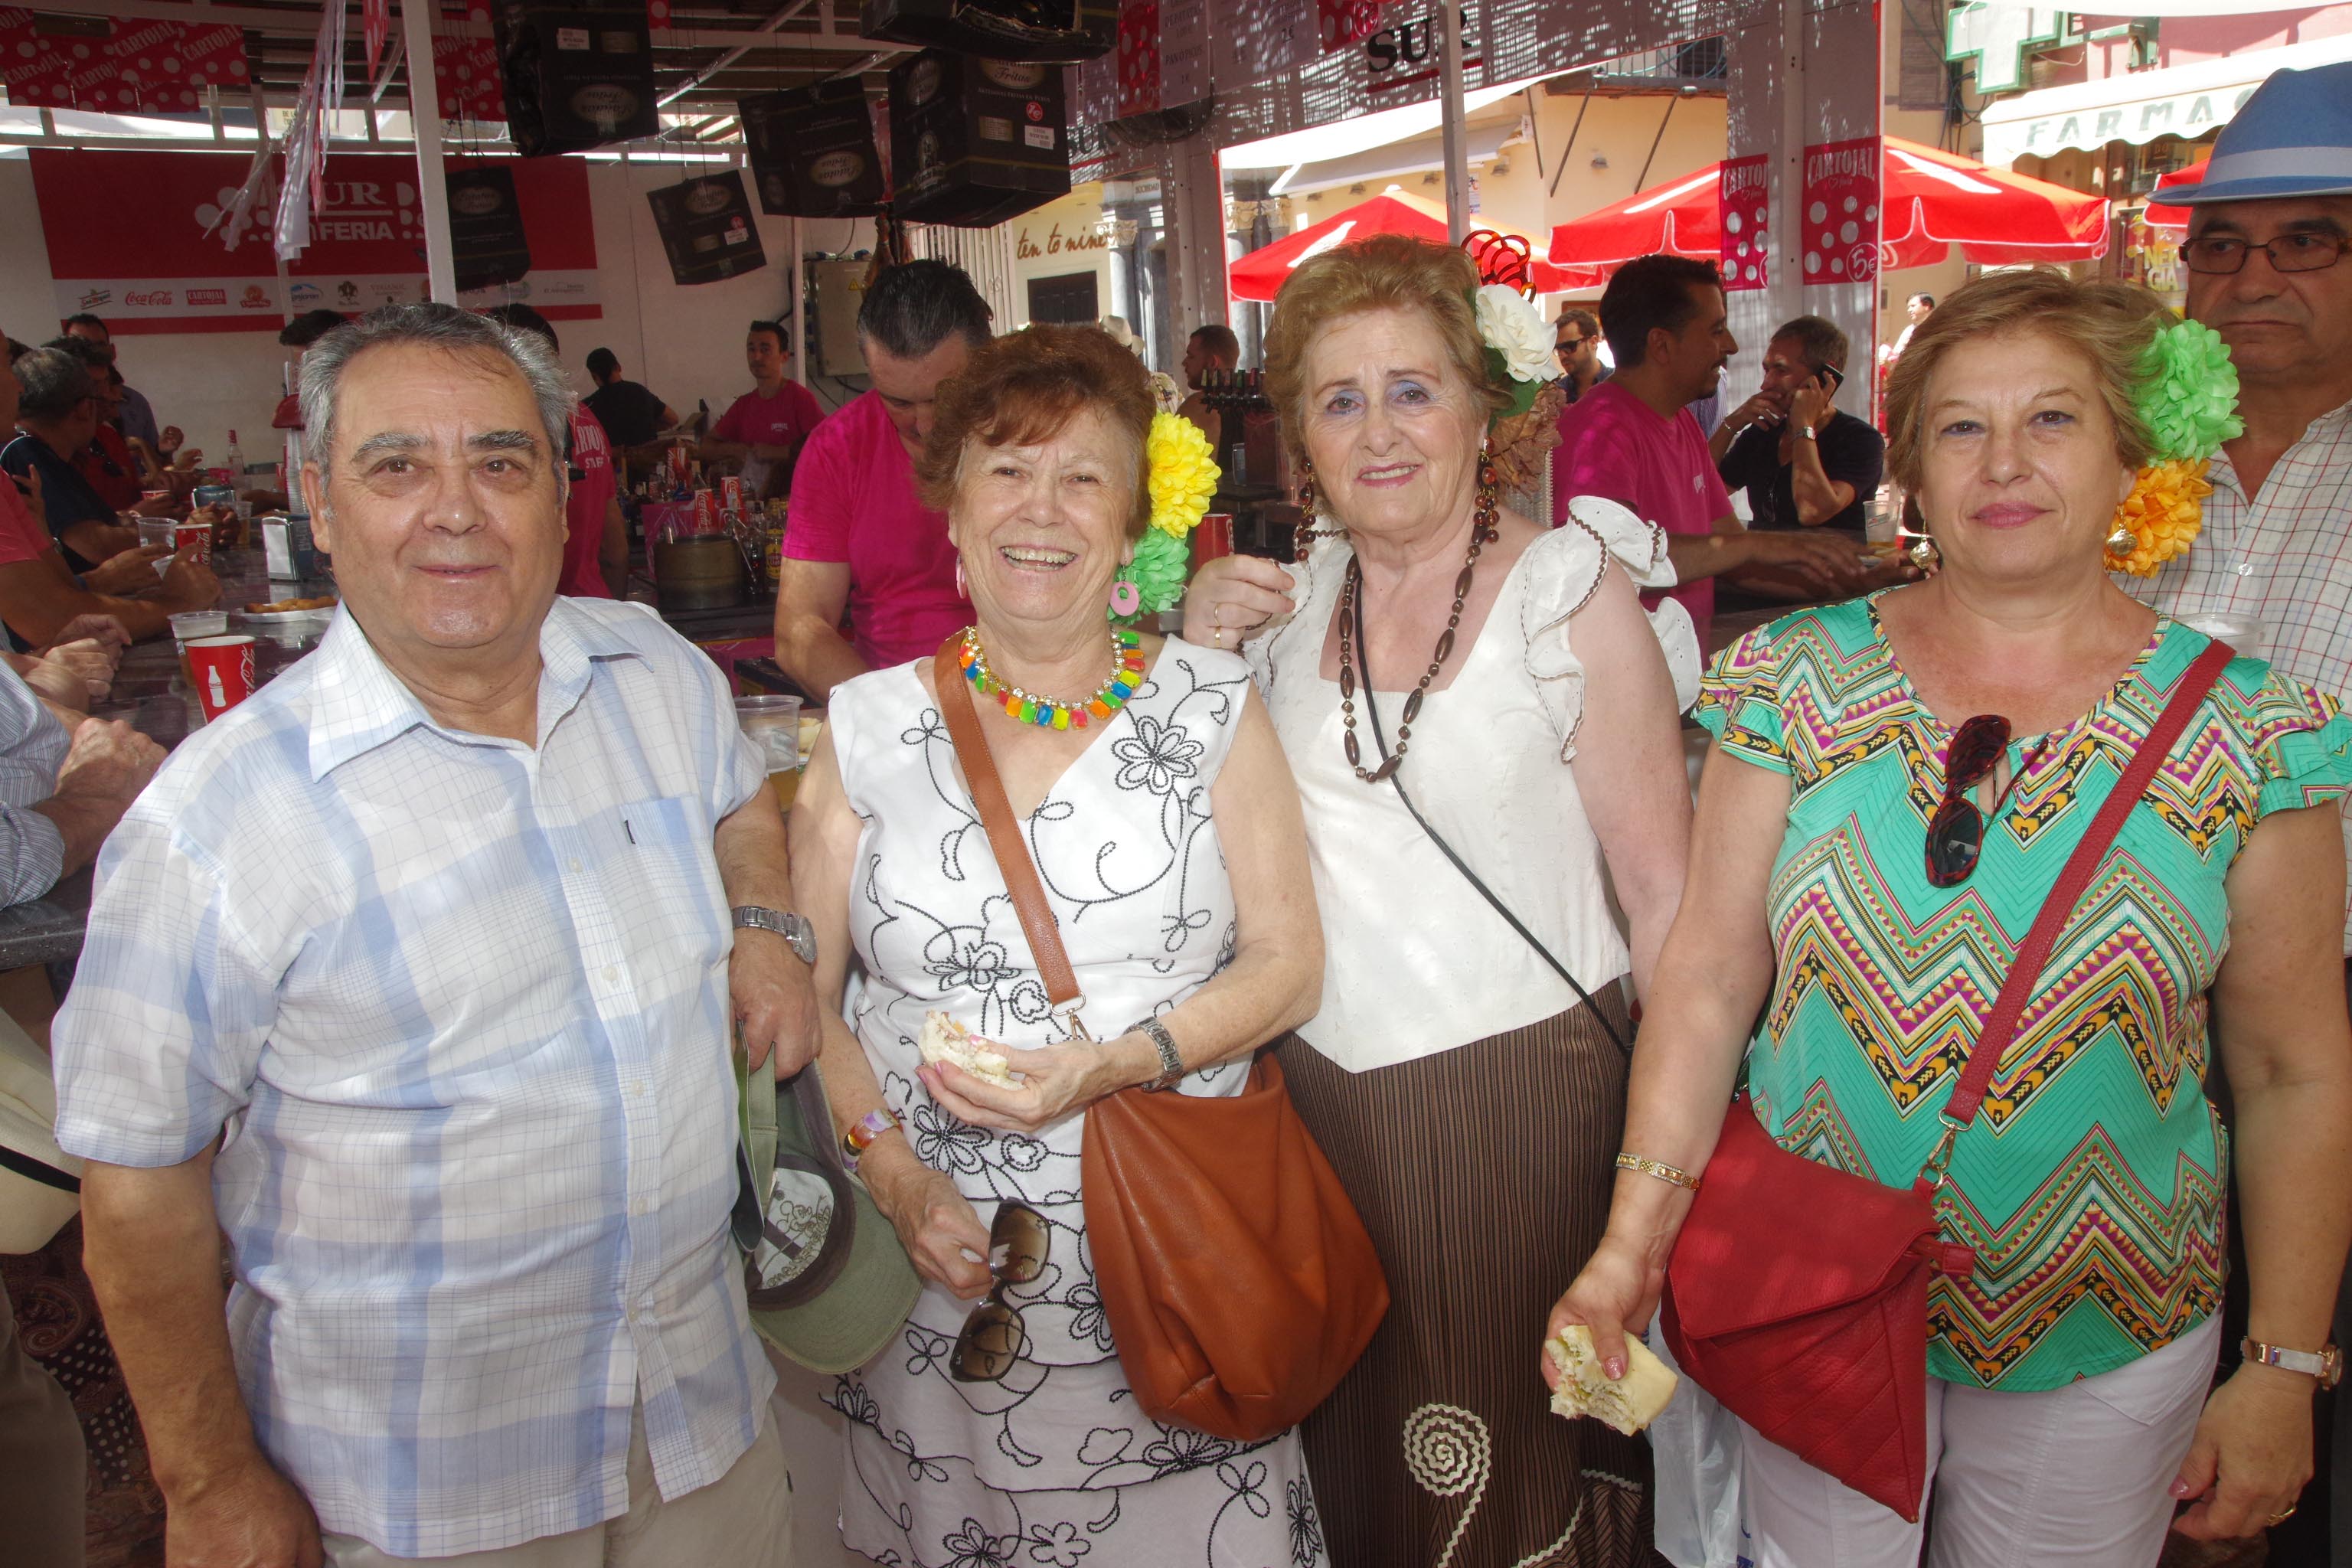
(1483, 533)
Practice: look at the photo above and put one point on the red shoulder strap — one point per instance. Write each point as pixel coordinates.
(2025, 969)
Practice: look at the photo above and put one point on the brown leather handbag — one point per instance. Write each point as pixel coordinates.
(1239, 1283)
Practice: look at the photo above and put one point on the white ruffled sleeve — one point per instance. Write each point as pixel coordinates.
(1564, 569)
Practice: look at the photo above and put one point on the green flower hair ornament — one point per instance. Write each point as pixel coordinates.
(1181, 475)
(2189, 392)
(1157, 572)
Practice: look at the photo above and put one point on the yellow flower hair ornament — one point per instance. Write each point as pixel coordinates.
(1181, 475)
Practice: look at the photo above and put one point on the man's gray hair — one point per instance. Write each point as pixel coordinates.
(444, 327)
(54, 383)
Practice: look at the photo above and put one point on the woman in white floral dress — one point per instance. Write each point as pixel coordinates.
(1167, 834)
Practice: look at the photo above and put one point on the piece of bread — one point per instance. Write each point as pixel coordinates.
(945, 1040)
(1628, 1404)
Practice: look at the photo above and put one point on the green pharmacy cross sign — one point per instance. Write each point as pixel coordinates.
(2001, 37)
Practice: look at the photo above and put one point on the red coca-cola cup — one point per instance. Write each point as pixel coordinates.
(730, 493)
(221, 670)
(1212, 537)
(194, 540)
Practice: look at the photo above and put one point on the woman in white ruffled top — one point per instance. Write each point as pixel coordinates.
(1506, 678)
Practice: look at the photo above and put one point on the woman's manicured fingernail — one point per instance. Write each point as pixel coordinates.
(2179, 1488)
(1615, 1367)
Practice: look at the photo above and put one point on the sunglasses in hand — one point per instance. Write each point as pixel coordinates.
(992, 1336)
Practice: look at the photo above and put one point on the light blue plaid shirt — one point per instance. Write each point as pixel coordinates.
(457, 1010)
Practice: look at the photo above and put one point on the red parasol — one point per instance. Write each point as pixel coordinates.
(1933, 200)
(1261, 274)
(2164, 215)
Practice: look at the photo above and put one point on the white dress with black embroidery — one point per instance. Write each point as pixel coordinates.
(1054, 1466)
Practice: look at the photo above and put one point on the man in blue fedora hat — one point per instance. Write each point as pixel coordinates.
(2270, 228)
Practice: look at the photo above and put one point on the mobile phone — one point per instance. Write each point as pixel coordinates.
(1836, 376)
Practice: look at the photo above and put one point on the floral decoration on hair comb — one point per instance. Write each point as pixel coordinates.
(1518, 342)
(2189, 400)
(1182, 475)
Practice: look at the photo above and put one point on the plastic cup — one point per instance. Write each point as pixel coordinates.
(221, 670)
(189, 625)
(774, 721)
(1212, 537)
(2248, 634)
(194, 540)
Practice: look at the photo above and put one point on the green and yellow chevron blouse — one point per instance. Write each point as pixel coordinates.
(2091, 1184)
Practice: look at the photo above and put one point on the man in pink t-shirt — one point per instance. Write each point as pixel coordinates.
(766, 425)
(859, 537)
(595, 537)
(1634, 440)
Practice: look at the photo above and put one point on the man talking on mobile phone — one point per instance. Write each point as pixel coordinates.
(1804, 462)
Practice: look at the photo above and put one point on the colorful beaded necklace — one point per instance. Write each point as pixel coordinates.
(1052, 712)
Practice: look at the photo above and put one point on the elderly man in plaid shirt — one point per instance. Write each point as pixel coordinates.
(2268, 269)
(414, 976)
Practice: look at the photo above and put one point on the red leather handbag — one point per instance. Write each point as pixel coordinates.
(1797, 1294)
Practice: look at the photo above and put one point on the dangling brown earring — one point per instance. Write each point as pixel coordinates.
(1305, 535)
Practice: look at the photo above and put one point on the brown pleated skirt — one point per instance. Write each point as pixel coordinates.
(1484, 1175)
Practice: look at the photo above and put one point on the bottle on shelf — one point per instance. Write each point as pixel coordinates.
(234, 460)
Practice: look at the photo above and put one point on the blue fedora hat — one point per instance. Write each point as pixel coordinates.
(2293, 138)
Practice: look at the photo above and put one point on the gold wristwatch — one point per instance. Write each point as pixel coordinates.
(2326, 1363)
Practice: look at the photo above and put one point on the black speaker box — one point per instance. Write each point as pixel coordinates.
(976, 141)
(575, 77)
(813, 153)
(707, 228)
(1064, 31)
(486, 233)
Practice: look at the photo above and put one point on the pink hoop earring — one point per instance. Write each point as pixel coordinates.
(1126, 599)
(961, 591)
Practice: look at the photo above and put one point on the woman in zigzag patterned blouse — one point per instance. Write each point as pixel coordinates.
(2069, 1372)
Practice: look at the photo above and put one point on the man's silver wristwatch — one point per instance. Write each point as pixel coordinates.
(2325, 1364)
(1807, 432)
(794, 929)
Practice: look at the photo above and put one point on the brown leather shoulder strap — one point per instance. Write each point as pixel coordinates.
(2025, 969)
(961, 711)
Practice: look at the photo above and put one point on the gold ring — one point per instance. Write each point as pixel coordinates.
(2283, 1518)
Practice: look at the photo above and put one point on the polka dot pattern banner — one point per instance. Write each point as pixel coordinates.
(126, 67)
(1838, 215)
(466, 72)
(1745, 197)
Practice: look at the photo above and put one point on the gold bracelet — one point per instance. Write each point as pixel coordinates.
(1666, 1173)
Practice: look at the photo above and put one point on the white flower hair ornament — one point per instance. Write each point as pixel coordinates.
(1518, 345)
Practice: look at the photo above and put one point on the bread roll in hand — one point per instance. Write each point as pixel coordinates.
(1628, 1404)
(945, 1040)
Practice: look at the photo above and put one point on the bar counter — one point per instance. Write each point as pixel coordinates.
(149, 693)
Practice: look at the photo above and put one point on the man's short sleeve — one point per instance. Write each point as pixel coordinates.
(21, 539)
(1748, 460)
(817, 526)
(807, 411)
(1853, 453)
(160, 1041)
(1711, 489)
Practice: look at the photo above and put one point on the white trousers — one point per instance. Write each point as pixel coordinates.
(2076, 1477)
